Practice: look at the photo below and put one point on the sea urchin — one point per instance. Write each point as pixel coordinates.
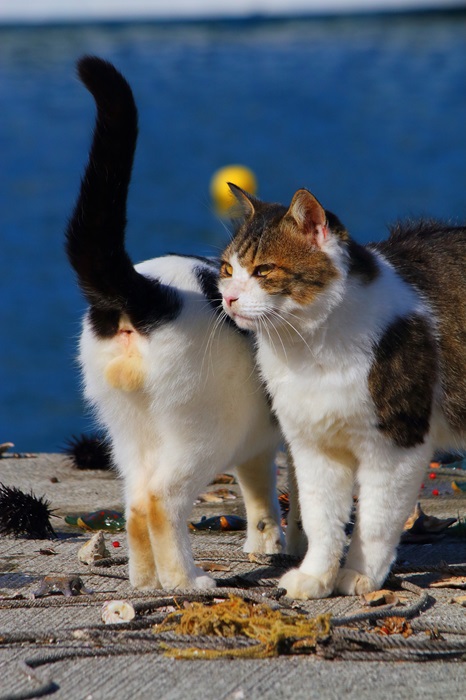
(24, 514)
(89, 452)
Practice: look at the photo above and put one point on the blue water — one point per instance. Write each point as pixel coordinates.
(368, 113)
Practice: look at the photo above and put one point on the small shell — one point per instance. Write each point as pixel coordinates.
(116, 611)
(94, 549)
(5, 446)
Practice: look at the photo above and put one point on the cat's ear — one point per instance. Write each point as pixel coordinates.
(309, 216)
(247, 203)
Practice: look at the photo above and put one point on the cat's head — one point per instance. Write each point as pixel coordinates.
(283, 262)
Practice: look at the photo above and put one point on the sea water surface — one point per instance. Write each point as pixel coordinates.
(368, 113)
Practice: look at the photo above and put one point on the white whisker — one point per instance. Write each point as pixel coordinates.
(282, 318)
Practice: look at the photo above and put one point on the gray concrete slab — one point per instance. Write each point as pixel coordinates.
(54, 627)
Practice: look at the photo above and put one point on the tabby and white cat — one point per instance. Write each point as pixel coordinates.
(363, 350)
(175, 387)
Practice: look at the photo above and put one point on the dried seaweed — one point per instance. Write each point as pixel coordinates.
(275, 631)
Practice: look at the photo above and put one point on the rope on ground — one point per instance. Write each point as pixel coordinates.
(405, 611)
(346, 640)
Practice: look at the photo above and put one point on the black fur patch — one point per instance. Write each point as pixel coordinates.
(147, 308)
(431, 256)
(402, 378)
(104, 322)
(363, 262)
(208, 280)
(95, 236)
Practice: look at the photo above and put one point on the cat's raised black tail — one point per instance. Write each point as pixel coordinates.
(95, 237)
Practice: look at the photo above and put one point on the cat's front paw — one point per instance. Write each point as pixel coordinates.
(266, 538)
(303, 586)
(351, 582)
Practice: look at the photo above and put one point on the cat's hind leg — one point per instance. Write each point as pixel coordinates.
(170, 496)
(142, 569)
(159, 499)
(388, 487)
(170, 543)
(257, 478)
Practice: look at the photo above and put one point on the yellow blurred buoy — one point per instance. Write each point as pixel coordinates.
(220, 192)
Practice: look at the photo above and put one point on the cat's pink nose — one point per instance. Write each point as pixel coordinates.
(229, 300)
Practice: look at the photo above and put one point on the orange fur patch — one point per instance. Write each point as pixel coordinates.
(137, 529)
(156, 516)
(126, 371)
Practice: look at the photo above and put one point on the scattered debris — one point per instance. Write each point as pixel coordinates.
(67, 585)
(117, 611)
(458, 486)
(217, 496)
(434, 634)
(49, 552)
(450, 582)
(4, 447)
(393, 625)
(459, 530)
(382, 597)
(422, 528)
(284, 501)
(89, 452)
(24, 514)
(223, 479)
(213, 566)
(275, 631)
(94, 549)
(461, 464)
(220, 522)
(109, 520)
(461, 600)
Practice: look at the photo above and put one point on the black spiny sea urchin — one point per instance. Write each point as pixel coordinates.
(89, 452)
(24, 514)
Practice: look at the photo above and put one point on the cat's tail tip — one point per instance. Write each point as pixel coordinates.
(106, 84)
(90, 68)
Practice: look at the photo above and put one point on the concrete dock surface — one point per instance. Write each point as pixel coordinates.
(58, 646)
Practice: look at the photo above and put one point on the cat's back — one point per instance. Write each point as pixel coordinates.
(431, 257)
(185, 273)
(427, 254)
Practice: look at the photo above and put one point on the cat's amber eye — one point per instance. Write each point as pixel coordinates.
(226, 270)
(263, 270)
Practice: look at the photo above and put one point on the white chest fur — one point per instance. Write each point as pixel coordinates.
(319, 379)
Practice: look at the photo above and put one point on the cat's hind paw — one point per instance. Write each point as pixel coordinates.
(266, 538)
(303, 586)
(204, 582)
(144, 583)
(351, 582)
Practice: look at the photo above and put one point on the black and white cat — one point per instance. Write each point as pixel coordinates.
(173, 384)
(363, 350)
